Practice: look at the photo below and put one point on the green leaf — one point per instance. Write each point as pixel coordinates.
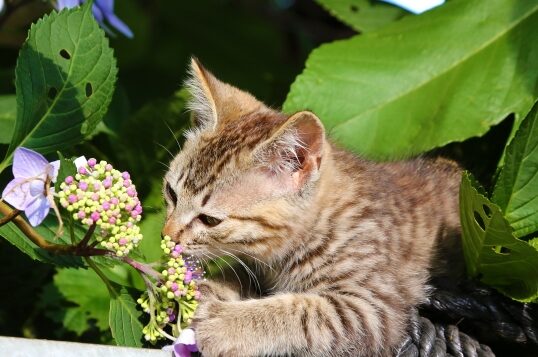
(491, 251)
(84, 288)
(125, 319)
(67, 168)
(516, 190)
(151, 227)
(65, 79)
(363, 15)
(426, 80)
(47, 230)
(8, 112)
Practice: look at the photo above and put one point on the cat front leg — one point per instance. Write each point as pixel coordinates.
(218, 290)
(290, 324)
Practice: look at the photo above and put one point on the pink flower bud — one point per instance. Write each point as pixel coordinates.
(95, 197)
(197, 295)
(82, 170)
(175, 254)
(96, 186)
(114, 201)
(188, 276)
(122, 241)
(125, 175)
(112, 220)
(106, 206)
(92, 162)
(174, 287)
(69, 180)
(108, 167)
(128, 207)
(126, 183)
(81, 214)
(131, 192)
(171, 271)
(72, 199)
(95, 216)
(83, 185)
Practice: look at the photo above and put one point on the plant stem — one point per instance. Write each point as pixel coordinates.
(101, 275)
(141, 267)
(8, 217)
(84, 242)
(35, 237)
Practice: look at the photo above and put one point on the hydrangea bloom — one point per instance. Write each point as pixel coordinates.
(102, 10)
(173, 301)
(106, 197)
(31, 190)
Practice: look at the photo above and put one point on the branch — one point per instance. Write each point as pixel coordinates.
(8, 217)
(38, 240)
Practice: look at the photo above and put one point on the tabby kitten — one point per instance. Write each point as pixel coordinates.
(347, 243)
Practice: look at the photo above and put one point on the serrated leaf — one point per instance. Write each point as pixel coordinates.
(65, 78)
(125, 319)
(8, 112)
(516, 190)
(84, 288)
(47, 230)
(363, 15)
(424, 81)
(491, 251)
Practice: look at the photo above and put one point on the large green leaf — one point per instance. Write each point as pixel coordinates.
(84, 288)
(8, 112)
(516, 190)
(65, 78)
(491, 251)
(363, 15)
(427, 80)
(125, 319)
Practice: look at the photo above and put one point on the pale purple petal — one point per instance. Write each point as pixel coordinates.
(37, 210)
(37, 188)
(119, 25)
(62, 4)
(28, 163)
(181, 351)
(186, 337)
(98, 13)
(80, 161)
(17, 193)
(52, 170)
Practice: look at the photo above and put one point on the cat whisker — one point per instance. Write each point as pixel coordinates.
(253, 257)
(247, 269)
(173, 135)
(217, 264)
(166, 149)
(236, 275)
(165, 165)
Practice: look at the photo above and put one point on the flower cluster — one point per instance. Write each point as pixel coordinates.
(103, 196)
(171, 302)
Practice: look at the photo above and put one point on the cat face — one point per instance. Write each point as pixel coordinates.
(244, 176)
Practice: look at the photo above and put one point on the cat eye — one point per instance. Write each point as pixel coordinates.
(171, 194)
(208, 220)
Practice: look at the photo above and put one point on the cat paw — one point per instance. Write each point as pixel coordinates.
(215, 333)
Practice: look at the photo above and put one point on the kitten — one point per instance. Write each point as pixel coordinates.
(348, 243)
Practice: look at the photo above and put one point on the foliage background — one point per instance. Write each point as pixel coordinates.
(258, 46)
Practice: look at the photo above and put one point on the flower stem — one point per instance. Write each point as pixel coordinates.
(35, 237)
(141, 267)
(9, 216)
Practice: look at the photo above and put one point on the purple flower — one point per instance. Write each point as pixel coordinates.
(102, 10)
(184, 345)
(30, 190)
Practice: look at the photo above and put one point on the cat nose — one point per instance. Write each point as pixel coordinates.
(173, 230)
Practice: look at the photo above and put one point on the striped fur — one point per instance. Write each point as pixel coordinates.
(344, 245)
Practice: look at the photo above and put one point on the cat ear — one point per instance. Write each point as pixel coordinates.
(213, 102)
(295, 149)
